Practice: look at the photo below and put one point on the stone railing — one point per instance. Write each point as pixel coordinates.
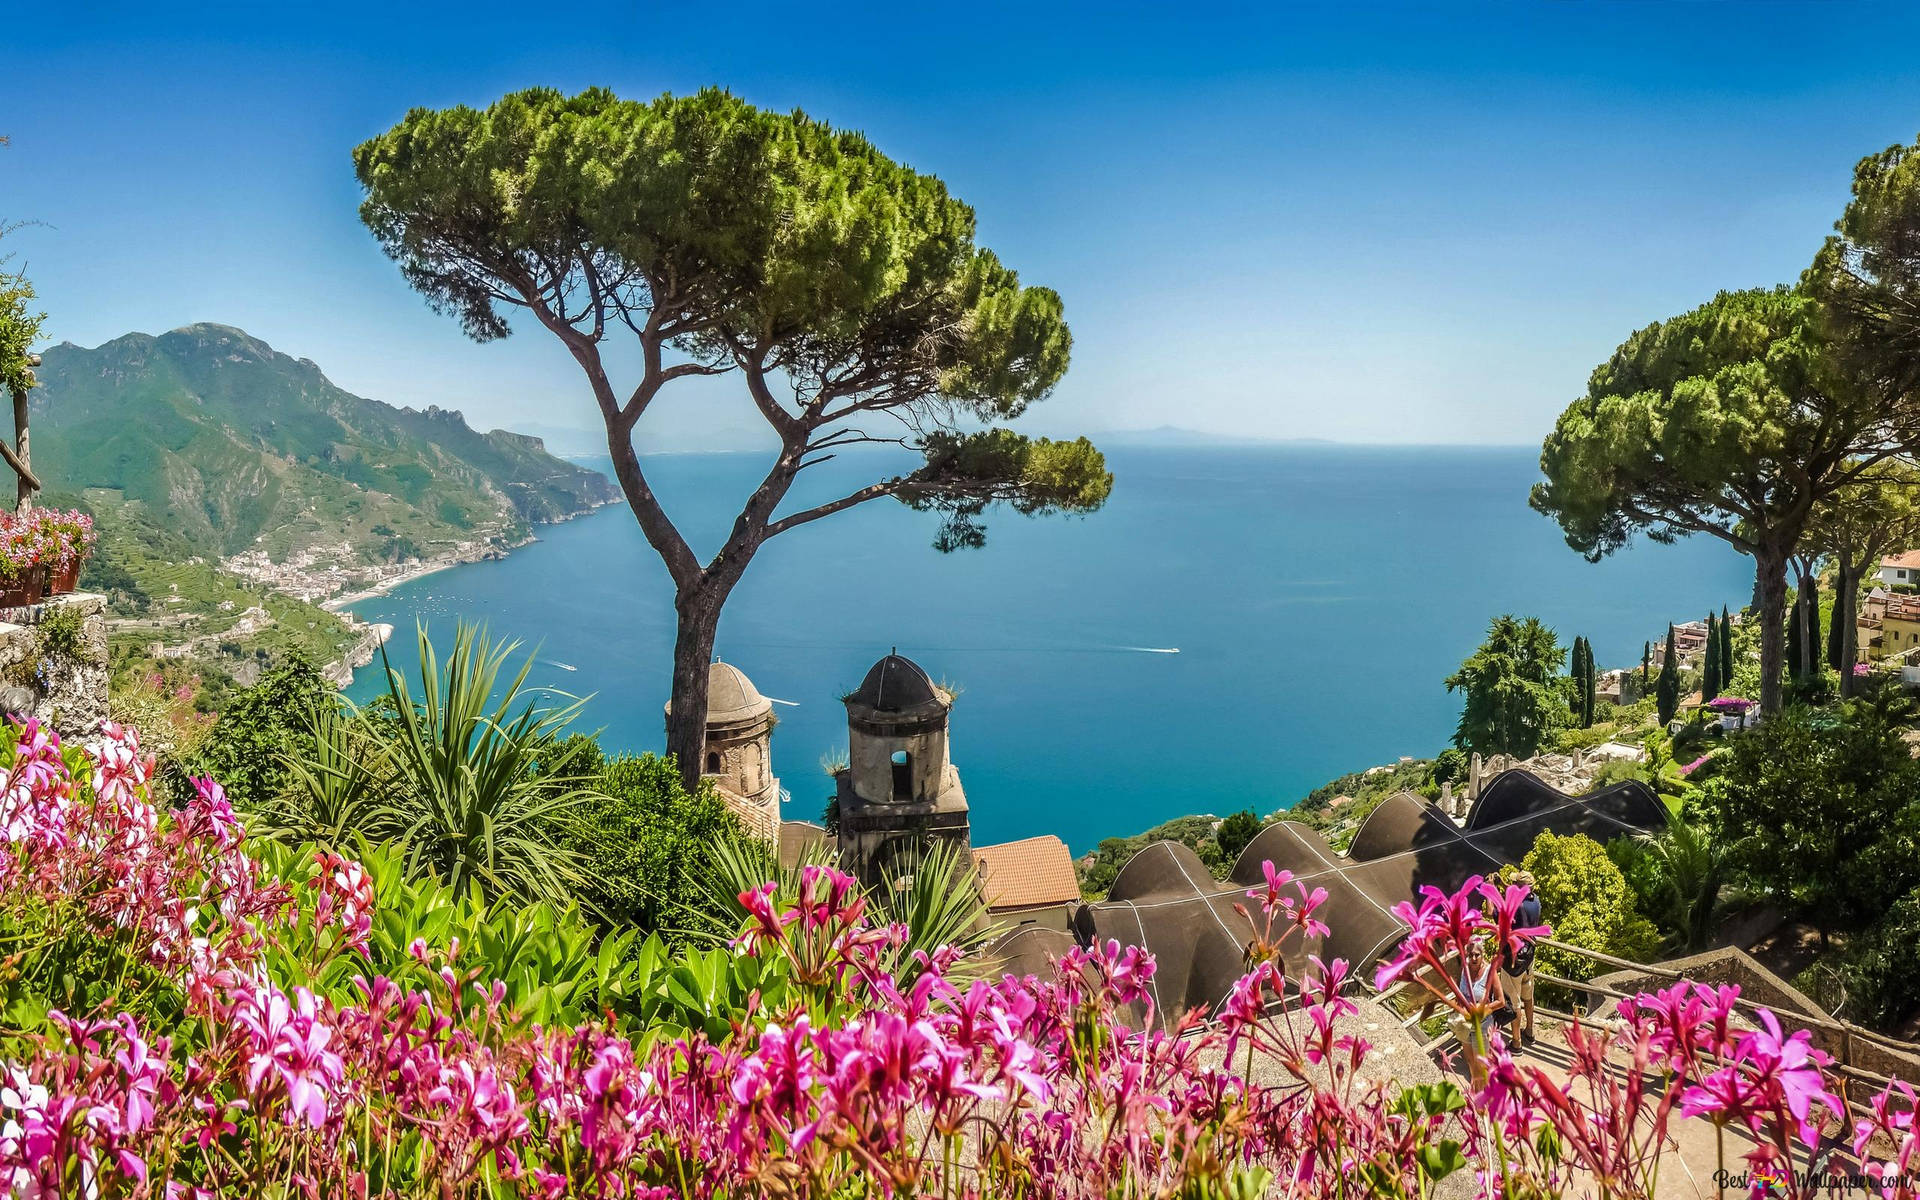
(65, 686)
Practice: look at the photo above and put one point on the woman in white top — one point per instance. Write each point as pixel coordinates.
(1480, 987)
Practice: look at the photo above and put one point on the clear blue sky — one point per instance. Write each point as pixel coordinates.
(1362, 222)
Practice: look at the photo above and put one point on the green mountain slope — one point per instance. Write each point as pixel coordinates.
(237, 447)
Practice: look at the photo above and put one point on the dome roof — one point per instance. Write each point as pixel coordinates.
(895, 684)
(731, 696)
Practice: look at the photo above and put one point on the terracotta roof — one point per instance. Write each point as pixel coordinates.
(1029, 873)
(1908, 559)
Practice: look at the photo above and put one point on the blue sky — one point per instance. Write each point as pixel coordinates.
(1361, 222)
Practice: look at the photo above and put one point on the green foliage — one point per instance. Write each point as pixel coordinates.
(1112, 853)
(59, 632)
(339, 779)
(19, 330)
(1882, 966)
(645, 845)
(263, 730)
(1825, 808)
(939, 903)
(1449, 766)
(1577, 681)
(1866, 275)
(1512, 696)
(753, 241)
(482, 802)
(1728, 420)
(1726, 653)
(1586, 900)
(1666, 692)
(464, 776)
(1710, 665)
(558, 967)
(1677, 877)
(936, 898)
(1236, 831)
(965, 473)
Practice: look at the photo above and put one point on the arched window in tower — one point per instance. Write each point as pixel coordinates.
(713, 763)
(902, 775)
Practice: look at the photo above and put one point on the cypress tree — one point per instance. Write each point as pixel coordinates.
(1646, 656)
(1593, 683)
(1667, 691)
(1577, 673)
(1726, 648)
(1709, 676)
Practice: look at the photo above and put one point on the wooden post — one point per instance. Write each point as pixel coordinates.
(21, 459)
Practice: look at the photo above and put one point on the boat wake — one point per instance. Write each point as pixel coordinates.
(1150, 649)
(563, 666)
(788, 703)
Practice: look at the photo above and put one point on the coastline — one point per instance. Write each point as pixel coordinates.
(339, 604)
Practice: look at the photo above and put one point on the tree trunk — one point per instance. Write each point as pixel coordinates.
(24, 493)
(1846, 605)
(1770, 585)
(1809, 617)
(698, 623)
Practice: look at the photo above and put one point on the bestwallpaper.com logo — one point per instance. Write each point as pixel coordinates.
(1765, 1182)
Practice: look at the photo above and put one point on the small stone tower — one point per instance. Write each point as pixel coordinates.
(898, 793)
(739, 754)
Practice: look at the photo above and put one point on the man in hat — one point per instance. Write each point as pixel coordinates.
(1516, 967)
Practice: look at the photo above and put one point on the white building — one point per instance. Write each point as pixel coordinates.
(1901, 568)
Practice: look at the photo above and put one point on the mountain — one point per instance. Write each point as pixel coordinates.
(240, 448)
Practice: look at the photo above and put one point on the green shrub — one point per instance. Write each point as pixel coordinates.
(1449, 766)
(59, 632)
(1235, 833)
(260, 732)
(1824, 808)
(1882, 966)
(1587, 901)
(644, 845)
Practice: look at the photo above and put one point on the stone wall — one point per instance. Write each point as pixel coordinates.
(68, 691)
(1795, 1010)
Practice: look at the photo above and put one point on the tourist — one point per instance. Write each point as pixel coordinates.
(1480, 988)
(1516, 966)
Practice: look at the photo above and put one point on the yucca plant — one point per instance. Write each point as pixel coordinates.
(1693, 869)
(936, 896)
(472, 799)
(334, 791)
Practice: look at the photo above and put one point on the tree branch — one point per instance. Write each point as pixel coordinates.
(873, 491)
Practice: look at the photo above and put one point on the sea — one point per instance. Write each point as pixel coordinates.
(1238, 624)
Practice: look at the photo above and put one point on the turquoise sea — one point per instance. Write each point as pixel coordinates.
(1316, 598)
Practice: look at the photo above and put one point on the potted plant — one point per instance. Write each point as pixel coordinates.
(67, 542)
(22, 577)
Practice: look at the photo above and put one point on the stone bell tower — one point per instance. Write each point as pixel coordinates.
(899, 793)
(739, 754)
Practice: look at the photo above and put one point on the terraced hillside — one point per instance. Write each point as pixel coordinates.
(238, 447)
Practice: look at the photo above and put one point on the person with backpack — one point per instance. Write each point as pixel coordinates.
(1516, 966)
